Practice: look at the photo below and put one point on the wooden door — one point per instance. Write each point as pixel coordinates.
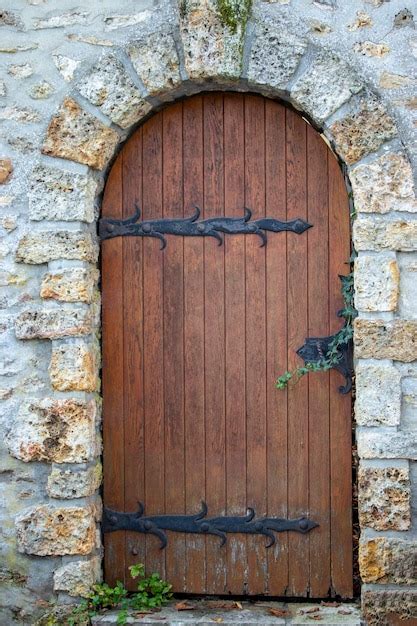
(195, 335)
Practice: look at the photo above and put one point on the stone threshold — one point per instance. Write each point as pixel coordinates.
(230, 613)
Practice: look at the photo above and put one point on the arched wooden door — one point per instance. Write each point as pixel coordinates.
(194, 337)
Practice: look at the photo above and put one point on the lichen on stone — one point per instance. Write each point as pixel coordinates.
(234, 13)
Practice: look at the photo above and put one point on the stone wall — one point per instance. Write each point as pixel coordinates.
(74, 82)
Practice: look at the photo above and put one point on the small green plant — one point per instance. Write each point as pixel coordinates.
(341, 338)
(152, 592)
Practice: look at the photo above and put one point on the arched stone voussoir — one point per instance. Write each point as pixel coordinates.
(363, 130)
(78, 136)
(213, 48)
(108, 86)
(275, 54)
(325, 85)
(156, 60)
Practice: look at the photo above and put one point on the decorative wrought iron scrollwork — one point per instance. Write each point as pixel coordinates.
(220, 526)
(315, 349)
(194, 227)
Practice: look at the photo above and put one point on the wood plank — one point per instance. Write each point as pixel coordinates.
(153, 306)
(195, 487)
(113, 377)
(318, 326)
(298, 483)
(133, 350)
(173, 281)
(214, 338)
(234, 172)
(340, 405)
(276, 341)
(255, 339)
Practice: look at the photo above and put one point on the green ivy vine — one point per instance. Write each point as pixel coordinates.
(341, 338)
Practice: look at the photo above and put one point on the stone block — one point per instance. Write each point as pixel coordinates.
(78, 136)
(388, 560)
(155, 59)
(56, 531)
(109, 87)
(61, 195)
(377, 281)
(378, 394)
(377, 233)
(379, 339)
(384, 498)
(409, 403)
(54, 323)
(60, 431)
(6, 169)
(387, 444)
(64, 19)
(74, 367)
(74, 483)
(70, 285)
(325, 86)
(78, 577)
(48, 245)
(384, 185)
(211, 48)
(379, 606)
(275, 55)
(408, 286)
(363, 132)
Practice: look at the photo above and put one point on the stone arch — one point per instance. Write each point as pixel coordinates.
(197, 51)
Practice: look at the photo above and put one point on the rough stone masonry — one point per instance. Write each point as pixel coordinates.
(75, 79)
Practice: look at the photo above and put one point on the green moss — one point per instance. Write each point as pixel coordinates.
(234, 13)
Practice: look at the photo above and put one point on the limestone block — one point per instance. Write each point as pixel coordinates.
(384, 498)
(47, 429)
(54, 531)
(47, 245)
(388, 80)
(54, 323)
(409, 403)
(65, 66)
(211, 48)
(379, 339)
(363, 132)
(41, 90)
(109, 87)
(70, 285)
(155, 59)
(6, 169)
(73, 367)
(377, 280)
(59, 21)
(384, 185)
(275, 55)
(78, 136)
(371, 49)
(380, 606)
(60, 195)
(115, 21)
(387, 444)
(73, 483)
(408, 287)
(377, 233)
(388, 560)
(378, 394)
(78, 577)
(21, 115)
(20, 71)
(325, 86)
